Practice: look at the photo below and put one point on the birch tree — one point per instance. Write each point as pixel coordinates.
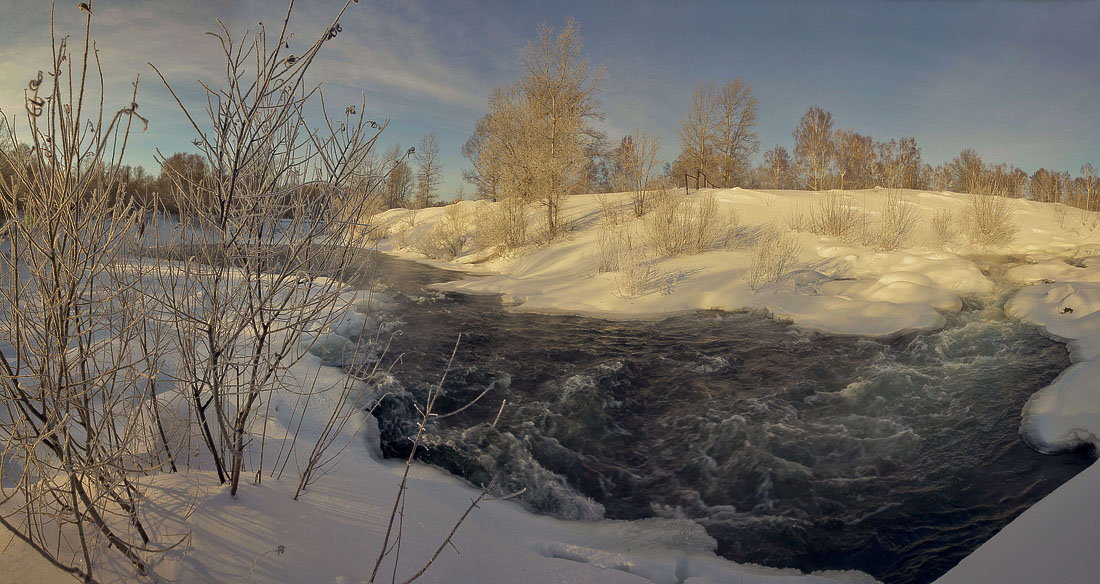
(966, 172)
(778, 168)
(735, 134)
(697, 132)
(562, 96)
(853, 156)
(532, 146)
(428, 172)
(633, 164)
(813, 148)
(397, 184)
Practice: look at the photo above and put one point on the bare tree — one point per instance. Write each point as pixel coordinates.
(485, 174)
(561, 95)
(428, 172)
(513, 147)
(909, 160)
(397, 183)
(813, 148)
(1046, 186)
(1019, 183)
(1090, 188)
(532, 146)
(966, 172)
(854, 160)
(179, 166)
(941, 178)
(697, 132)
(778, 169)
(736, 140)
(623, 161)
(898, 165)
(633, 163)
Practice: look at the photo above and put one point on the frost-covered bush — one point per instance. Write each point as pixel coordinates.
(502, 227)
(682, 225)
(448, 239)
(796, 219)
(941, 229)
(832, 216)
(607, 250)
(366, 228)
(897, 221)
(618, 252)
(773, 256)
(406, 226)
(612, 211)
(988, 220)
(636, 274)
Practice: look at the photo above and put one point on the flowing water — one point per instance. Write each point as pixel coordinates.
(792, 449)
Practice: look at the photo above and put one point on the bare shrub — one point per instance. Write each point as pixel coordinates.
(366, 228)
(408, 223)
(682, 225)
(832, 216)
(503, 227)
(87, 328)
(797, 218)
(620, 253)
(636, 274)
(607, 250)
(1061, 210)
(641, 162)
(988, 220)
(773, 256)
(80, 358)
(611, 211)
(941, 229)
(897, 221)
(448, 239)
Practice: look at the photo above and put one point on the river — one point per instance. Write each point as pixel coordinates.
(792, 448)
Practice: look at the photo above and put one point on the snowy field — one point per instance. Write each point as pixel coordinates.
(833, 284)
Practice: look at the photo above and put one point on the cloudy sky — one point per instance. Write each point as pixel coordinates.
(1018, 81)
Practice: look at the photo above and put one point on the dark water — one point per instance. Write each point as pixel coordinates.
(792, 449)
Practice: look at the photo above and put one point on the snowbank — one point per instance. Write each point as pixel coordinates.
(837, 286)
(1066, 414)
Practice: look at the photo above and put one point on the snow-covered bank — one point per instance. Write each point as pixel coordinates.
(1066, 304)
(835, 286)
(842, 287)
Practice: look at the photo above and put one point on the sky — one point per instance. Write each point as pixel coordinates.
(1018, 81)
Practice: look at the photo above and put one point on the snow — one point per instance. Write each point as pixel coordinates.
(1066, 414)
(333, 533)
(838, 287)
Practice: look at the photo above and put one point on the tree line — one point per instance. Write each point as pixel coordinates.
(398, 177)
(537, 144)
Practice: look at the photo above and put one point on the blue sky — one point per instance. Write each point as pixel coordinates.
(1017, 81)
